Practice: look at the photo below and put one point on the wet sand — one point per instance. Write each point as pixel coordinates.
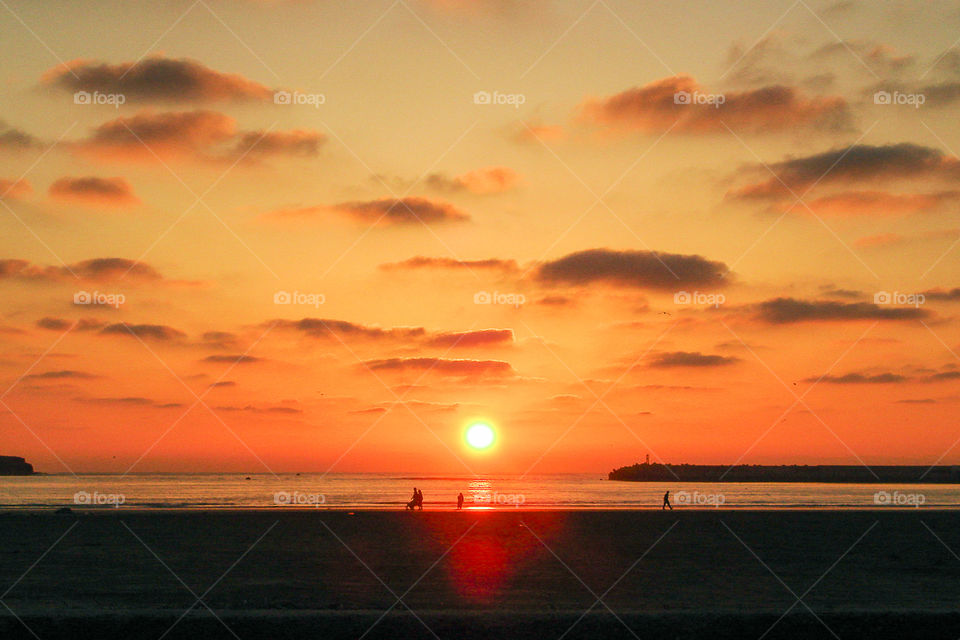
(536, 574)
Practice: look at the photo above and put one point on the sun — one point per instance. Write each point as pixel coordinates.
(480, 435)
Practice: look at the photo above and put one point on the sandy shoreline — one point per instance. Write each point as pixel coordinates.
(529, 573)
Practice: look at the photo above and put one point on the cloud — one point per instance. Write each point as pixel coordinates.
(943, 295)
(14, 189)
(852, 165)
(424, 262)
(941, 94)
(483, 337)
(690, 359)
(438, 407)
(882, 240)
(125, 400)
(131, 401)
(156, 78)
(789, 310)
(860, 378)
(200, 136)
(219, 339)
(485, 181)
(91, 190)
(327, 328)
(62, 324)
(102, 269)
(945, 375)
(876, 203)
(296, 143)
(449, 367)
(408, 210)
(322, 328)
(234, 359)
(369, 410)
(59, 375)
(221, 384)
(262, 410)
(384, 212)
(170, 135)
(833, 292)
(94, 270)
(879, 57)
(556, 301)
(642, 269)
(157, 332)
(13, 139)
(656, 107)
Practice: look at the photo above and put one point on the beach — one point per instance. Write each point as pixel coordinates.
(510, 573)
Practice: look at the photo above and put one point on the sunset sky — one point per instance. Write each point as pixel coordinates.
(297, 236)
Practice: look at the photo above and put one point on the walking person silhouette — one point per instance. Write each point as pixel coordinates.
(459, 501)
(666, 502)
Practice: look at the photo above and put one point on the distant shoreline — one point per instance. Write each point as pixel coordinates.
(837, 474)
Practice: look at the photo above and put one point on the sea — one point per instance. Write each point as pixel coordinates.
(393, 490)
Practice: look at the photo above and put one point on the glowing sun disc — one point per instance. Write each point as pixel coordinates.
(480, 436)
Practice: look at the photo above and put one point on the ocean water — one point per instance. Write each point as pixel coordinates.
(392, 491)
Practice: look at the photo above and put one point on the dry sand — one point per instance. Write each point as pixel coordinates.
(326, 574)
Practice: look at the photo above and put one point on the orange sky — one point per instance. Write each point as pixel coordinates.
(303, 236)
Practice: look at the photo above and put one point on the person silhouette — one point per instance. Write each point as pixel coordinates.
(666, 502)
(413, 500)
(459, 501)
(419, 499)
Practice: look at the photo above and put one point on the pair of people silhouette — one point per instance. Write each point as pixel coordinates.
(417, 501)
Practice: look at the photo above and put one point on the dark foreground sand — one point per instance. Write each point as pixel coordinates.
(514, 574)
